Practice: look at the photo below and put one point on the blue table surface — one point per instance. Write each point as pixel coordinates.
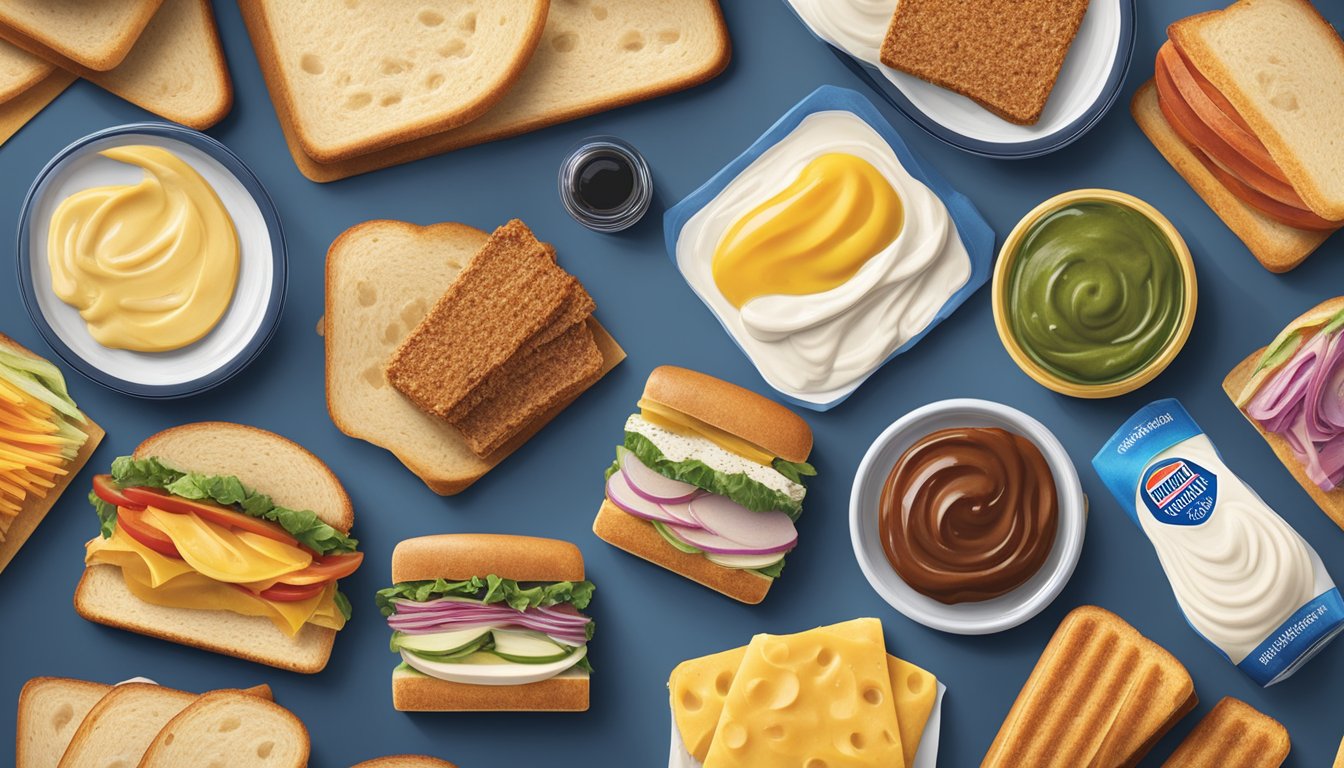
(649, 619)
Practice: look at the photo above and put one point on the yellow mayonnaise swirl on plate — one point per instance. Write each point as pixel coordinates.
(150, 266)
(812, 236)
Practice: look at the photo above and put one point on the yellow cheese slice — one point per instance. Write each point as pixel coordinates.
(675, 420)
(123, 551)
(223, 554)
(914, 690)
(697, 689)
(821, 697)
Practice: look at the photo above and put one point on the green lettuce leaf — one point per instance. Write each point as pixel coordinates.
(738, 487)
(795, 470)
(491, 589)
(772, 571)
(343, 604)
(107, 515)
(303, 525)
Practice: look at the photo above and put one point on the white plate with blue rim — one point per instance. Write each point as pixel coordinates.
(254, 312)
(1088, 85)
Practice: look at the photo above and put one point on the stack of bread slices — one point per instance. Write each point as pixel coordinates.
(162, 55)
(365, 85)
(78, 724)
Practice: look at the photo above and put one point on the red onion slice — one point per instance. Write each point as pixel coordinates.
(622, 494)
(756, 531)
(651, 485)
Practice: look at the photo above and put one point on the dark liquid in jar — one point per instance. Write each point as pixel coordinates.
(605, 182)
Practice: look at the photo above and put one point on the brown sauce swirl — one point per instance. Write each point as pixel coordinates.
(968, 514)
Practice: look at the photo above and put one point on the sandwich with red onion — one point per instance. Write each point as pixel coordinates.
(708, 483)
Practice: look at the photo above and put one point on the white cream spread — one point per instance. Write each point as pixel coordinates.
(854, 26)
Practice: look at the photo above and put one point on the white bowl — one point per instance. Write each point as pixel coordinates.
(986, 616)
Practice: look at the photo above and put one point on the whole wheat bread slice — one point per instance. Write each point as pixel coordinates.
(1278, 247)
(241, 729)
(1282, 67)
(50, 711)
(95, 34)
(121, 726)
(381, 278)
(268, 463)
(20, 70)
(591, 58)
(360, 77)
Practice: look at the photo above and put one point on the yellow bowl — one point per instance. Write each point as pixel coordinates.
(1004, 265)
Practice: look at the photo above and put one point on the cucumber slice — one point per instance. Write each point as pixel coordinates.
(441, 643)
(745, 562)
(527, 647)
(670, 539)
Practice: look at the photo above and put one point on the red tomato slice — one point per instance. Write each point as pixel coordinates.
(325, 569)
(132, 521)
(289, 593)
(107, 490)
(151, 497)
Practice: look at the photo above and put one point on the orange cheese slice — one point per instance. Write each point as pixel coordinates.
(676, 421)
(222, 554)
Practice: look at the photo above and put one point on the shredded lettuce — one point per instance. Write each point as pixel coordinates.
(304, 525)
(491, 589)
(738, 487)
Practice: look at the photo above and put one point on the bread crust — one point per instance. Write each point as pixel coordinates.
(1186, 37)
(448, 141)
(30, 689)
(205, 700)
(421, 693)
(259, 30)
(733, 409)
(1276, 246)
(460, 556)
(639, 538)
(405, 761)
(95, 60)
(1331, 502)
(12, 89)
(34, 511)
(17, 111)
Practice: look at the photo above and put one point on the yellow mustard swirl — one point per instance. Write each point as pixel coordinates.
(813, 236)
(150, 266)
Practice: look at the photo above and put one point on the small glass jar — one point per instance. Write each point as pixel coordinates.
(605, 184)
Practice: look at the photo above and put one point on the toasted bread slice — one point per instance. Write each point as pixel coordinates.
(270, 464)
(246, 729)
(50, 711)
(405, 761)
(177, 69)
(20, 71)
(590, 59)
(121, 726)
(1233, 733)
(1281, 65)
(94, 34)
(381, 279)
(639, 538)
(1339, 756)
(15, 113)
(1276, 246)
(414, 692)
(1004, 55)
(1331, 502)
(1101, 694)
(19, 528)
(361, 77)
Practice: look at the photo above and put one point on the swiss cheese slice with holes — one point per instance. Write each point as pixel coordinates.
(821, 697)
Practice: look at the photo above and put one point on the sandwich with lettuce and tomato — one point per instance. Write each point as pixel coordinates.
(708, 483)
(488, 622)
(222, 537)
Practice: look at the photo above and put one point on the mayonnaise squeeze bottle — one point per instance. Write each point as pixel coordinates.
(1246, 581)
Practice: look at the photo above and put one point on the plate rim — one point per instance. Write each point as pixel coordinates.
(270, 322)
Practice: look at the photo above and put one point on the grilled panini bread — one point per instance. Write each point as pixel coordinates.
(1233, 733)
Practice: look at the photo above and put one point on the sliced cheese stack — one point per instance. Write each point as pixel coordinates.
(829, 696)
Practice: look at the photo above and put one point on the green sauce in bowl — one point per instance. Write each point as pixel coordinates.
(1095, 293)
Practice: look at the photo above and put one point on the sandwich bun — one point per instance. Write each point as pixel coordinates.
(268, 463)
(641, 539)
(405, 761)
(414, 692)
(460, 556)
(733, 409)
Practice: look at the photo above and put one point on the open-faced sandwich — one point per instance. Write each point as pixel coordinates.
(226, 538)
(487, 622)
(708, 483)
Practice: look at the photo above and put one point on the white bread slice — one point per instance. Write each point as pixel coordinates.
(19, 71)
(121, 726)
(23, 524)
(269, 463)
(230, 728)
(359, 77)
(592, 58)
(15, 113)
(50, 711)
(1278, 247)
(382, 277)
(1282, 67)
(97, 34)
(405, 761)
(177, 68)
